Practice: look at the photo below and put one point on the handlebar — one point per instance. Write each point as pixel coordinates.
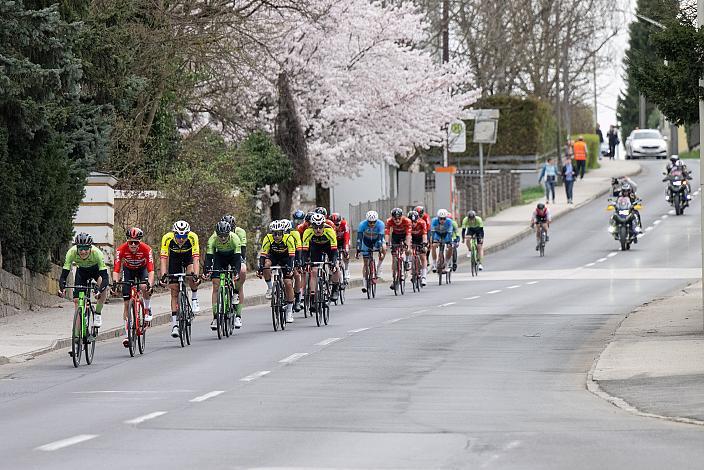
(132, 282)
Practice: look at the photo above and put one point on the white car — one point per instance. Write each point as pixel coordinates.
(643, 143)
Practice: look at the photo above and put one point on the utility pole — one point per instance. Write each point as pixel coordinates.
(641, 111)
(445, 59)
(700, 23)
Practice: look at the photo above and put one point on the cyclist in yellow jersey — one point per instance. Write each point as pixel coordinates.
(278, 249)
(180, 253)
(320, 241)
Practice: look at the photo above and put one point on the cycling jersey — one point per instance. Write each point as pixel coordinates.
(143, 257)
(419, 228)
(468, 223)
(442, 232)
(297, 239)
(400, 226)
(541, 217)
(233, 244)
(328, 237)
(426, 217)
(95, 258)
(286, 245)
(305, 225)
(455, 230)
(343, 235)
(369, 233)
(189, 247)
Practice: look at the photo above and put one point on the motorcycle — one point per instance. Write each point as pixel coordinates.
(677, 193)
(624, 224)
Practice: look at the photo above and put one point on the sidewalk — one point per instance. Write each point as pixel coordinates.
(655, 364)
(28, 334)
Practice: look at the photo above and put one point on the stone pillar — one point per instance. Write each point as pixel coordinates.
(96, 213)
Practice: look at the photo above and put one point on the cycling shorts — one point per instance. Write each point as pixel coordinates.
(445, 238)
(319, 253)
(178, 263)
(398, 238)
(417, 240)
(83, 275)
(368, 244)
(132, 275)
(478, 233)
(281, 259)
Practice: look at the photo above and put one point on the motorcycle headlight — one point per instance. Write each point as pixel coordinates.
(623, 212)
(677, 183)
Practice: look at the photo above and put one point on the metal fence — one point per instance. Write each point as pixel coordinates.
(358, 211)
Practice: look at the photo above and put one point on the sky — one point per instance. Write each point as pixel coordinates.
(610, 79)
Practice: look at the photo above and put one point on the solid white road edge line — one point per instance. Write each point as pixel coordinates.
(255, 376)
(56, 445)
(144, 418)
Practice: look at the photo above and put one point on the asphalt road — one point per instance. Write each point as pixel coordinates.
(484, 373)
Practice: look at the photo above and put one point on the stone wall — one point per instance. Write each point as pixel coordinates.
(31, 290)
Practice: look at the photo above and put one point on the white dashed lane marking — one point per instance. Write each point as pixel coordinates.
(531, 283)
(292, 358)
(513, 287)
(589, 265)
(325, 342)
(255, 376)
(472, 298)
(612, 254)
(601, 260)
(56, 445)
(447, 304)
(358, 330)
(208, 395)
(144, 418)
(494, 291)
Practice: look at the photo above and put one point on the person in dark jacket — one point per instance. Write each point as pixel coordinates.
(612, 137)
(568, 176)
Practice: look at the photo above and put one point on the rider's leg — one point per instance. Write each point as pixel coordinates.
(288, 293)
(480, 250)
(214, 297)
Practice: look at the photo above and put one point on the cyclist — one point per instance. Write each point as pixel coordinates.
(398, 233)
(134, 260)
(342, 231)
(306, 222)
(242, 235)
(90, 264)
(320, 240)
(180, 252)
(423, 215)
(442, 231)
(419, 240)
(298, 218)
(370, 236)
(278, 249)
(297, 273)
(224, 251)
(540, 218)
(456, 240)
(473, 226)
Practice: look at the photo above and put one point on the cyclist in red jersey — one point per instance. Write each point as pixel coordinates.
(343, 240)
(134, 259)
(419, 239)
(306, 224)
(423, 215)
(397, 231)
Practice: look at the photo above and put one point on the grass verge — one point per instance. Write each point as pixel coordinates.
(532, 193)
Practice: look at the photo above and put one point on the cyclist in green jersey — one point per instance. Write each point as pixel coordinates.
(239, 231)
(223, 252)
(474, 225)
(90, 264)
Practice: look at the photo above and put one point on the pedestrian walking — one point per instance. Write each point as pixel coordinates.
(601, 138)
(580, 156)
(612, 137)
(568, 176)
(549, 173)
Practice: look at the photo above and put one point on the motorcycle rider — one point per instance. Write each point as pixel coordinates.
(671, 164)
(628, 191)
(617, 182)
(678, 170)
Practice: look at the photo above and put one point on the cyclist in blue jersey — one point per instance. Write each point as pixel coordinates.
(370, 236)
(442, 230)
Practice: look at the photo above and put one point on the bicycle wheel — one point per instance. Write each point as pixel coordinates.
(402, 276)
(306, 294)
(189, 323)
(131, 328)
(182, 312)
(326, 303)
(91, 338)
(76, 338)
(275, 308)
(395, 278)
(282, 303)
(220, 314)
(141, 330)
(341, 291)
(320, 300)
(542, 243)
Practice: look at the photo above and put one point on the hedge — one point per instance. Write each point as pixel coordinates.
(592, 141)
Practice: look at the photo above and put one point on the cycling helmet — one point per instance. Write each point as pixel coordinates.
(396, 212)
(83, 239)
(275, 226)
(181, 227)
(674, 158)
(134, 233)
(372, 216)
(413, 215)
(287, 225)
(299, 215)
(317, 220)
(420, 210)
(471, 214)
(321, 210)
(335, 218)
(679, 163)
(443, 214)
(223, 228)
(308, 216)
(625, 187)
(230, 219)
(541, 206)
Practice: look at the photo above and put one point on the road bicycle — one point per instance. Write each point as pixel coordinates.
(442, 272)
(343, 280)
(83, 330)
(136, 325)
(542, 239)
(397, 268)
(278, 303)
(228, 299)
(370, 279)
(416, 267)
(322, 294)
(473, 255)
(184, 315)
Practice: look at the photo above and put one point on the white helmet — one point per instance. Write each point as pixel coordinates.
(288, 226)
(317, 219)
(443, 214)
(372, 216)
(181, 227)
(276, 226)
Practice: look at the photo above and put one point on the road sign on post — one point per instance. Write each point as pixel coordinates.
(486, 125)
(457, 137)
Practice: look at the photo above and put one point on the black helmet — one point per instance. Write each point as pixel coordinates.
(396, 212)
(230, 219)
(413, 215)
(134, 233)
(541, 206)
(223, 228)
(321, 210)
(83, 239)
(471, 214)
(308, 216)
